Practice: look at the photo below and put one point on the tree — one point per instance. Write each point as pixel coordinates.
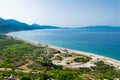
(25, 78)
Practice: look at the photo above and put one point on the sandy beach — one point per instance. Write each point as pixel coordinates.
(94, 57)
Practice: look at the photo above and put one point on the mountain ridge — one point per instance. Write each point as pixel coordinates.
(44, 26)
(10, 25)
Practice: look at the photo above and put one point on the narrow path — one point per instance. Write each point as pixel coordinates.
(24, 67)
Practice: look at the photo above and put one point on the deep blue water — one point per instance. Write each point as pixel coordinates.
(103, 42)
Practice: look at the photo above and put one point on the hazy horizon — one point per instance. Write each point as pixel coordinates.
(63, 13)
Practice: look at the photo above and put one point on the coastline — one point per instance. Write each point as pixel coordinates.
(95, 57)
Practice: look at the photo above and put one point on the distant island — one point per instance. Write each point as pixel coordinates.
(100, 27)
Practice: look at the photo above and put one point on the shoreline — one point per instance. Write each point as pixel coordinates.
(95, 57)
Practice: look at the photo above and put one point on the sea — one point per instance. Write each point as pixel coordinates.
(101, 42)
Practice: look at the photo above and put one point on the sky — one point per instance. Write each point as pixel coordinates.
(63, 13)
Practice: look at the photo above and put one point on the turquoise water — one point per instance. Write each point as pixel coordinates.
(101, 42)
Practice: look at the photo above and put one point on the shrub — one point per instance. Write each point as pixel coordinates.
(81, 59)
(67, 75)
